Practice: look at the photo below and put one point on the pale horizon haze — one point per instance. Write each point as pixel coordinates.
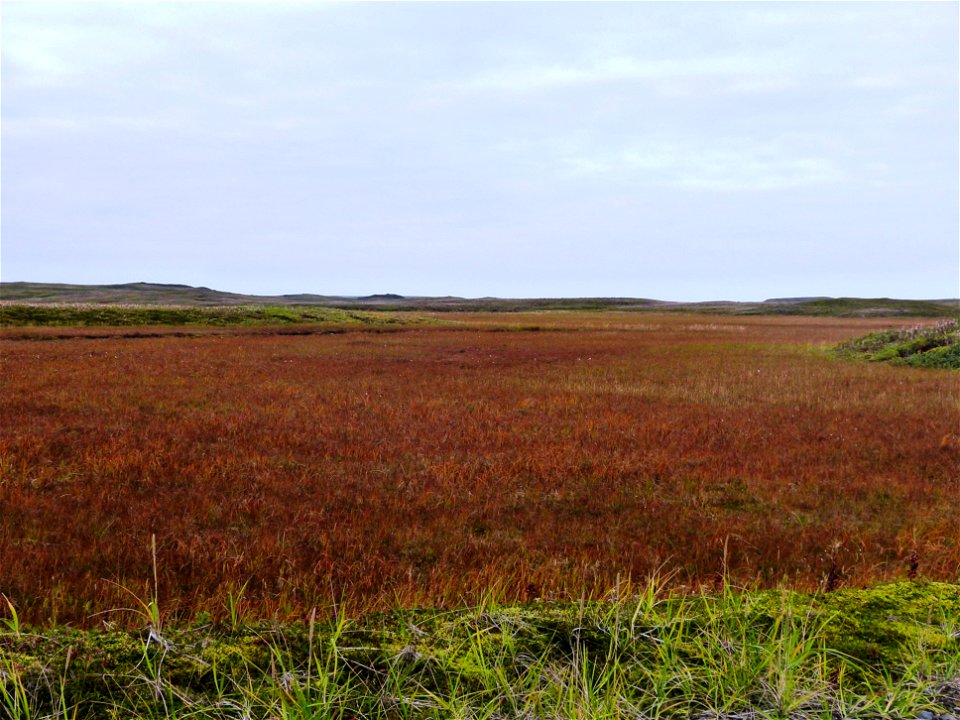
(680, 151)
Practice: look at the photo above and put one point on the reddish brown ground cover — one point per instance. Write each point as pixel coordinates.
(430, 464)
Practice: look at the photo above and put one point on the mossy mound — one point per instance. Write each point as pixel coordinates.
(934, 346)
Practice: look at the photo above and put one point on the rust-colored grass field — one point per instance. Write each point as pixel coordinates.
(532, 455)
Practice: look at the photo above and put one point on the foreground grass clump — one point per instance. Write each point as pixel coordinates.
(889, 651)
(92, 315)
(933, 346)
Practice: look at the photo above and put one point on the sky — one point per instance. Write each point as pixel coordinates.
(679, 151)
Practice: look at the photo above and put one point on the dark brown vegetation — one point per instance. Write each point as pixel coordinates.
(431, 464)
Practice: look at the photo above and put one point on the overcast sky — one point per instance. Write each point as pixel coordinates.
(679, 151)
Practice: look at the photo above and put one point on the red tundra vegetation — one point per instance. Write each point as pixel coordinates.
(532, 456)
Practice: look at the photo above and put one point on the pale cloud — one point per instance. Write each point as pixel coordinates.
(734, 171)
(60, 53)
(912, 105)
(729, 166)
(878, 82)
(62, 44)
(38, 127)
(736, 73)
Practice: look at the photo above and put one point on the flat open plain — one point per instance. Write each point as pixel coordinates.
(536, 455)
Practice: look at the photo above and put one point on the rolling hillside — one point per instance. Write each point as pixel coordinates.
(143, 293)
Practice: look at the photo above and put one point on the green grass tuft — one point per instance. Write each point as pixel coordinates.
(888, 651)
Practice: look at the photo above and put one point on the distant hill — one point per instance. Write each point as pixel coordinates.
(141, 293)
(144, 293)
